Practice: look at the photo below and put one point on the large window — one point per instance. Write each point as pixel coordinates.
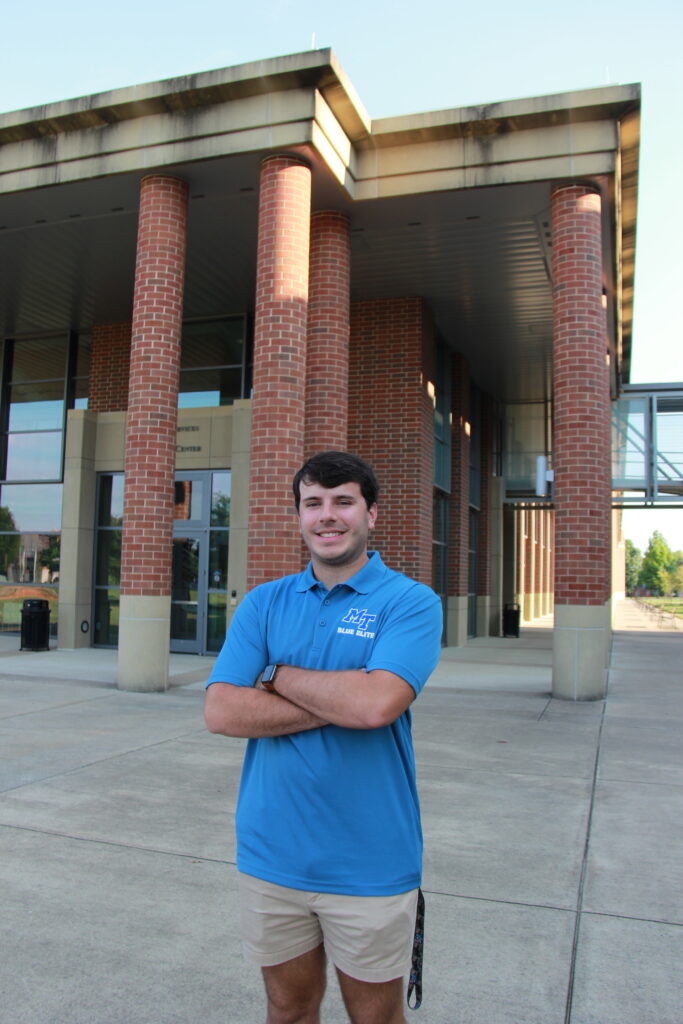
(214, 368)
(42, 377)
(108, 558)
(34, 403)
(30, 520)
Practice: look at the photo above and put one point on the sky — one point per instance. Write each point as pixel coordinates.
(404, 58)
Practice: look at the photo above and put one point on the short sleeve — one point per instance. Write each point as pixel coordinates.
(244, 653)
(409, 641)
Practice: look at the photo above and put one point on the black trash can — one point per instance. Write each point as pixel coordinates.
(511, 620)
(35, 625)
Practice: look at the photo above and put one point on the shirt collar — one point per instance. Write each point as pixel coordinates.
(362, 582)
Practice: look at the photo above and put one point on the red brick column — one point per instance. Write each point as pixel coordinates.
(278, 407)
(582, 489)
(391, 424)
(327, 360)
(109, 367)
(151, 429)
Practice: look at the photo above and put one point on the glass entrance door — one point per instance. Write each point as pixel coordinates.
(200, 561)
(188, 593)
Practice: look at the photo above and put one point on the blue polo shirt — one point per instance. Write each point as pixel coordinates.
(333, 809)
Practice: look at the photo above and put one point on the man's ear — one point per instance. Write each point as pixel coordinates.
(372, 515)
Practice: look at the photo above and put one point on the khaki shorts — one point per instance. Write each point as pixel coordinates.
(367, 937)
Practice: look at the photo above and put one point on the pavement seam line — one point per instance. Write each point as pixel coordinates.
(100, 760)
(53, 707)
(497, 901)
(582, 876)
(118, 845)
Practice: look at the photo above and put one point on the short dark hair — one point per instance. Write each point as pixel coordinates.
(330, 469)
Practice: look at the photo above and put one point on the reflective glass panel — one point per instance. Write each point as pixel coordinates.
(218, 560)
(110, 511)
(213, 343)
(106, 631)
(31, 508)
(184, 621)
(34, 456)
(39, 359)
(220, 499)
(669, 430)
(108, 567)
(185, 569)
(216, 622)
(81, 388)
(201, 388)
(12, 601)
(29, 558)
(36, 406)
(188, 499)
(525, 432)
(630, 443)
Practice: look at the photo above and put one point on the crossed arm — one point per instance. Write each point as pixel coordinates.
(307, 699)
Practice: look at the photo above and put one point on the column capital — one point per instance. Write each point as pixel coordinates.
(287, 160)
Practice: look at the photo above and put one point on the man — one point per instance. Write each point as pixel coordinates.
(319, 670)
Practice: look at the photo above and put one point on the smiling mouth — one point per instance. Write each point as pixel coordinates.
(331, 533)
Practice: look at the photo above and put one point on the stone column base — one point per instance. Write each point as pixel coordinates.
(456, 622)
(483, 615)
(581, 647)
(144, 639)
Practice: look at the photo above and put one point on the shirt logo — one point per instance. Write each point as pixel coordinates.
(356, 621)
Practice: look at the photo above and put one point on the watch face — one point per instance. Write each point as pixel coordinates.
(268, 673)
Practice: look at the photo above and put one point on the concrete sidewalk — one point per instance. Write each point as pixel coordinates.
(553, 854)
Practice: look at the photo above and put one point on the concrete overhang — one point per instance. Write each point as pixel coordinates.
(451, 204)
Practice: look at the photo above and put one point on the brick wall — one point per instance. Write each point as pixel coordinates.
(153, 396)
(109, 367)
(582, 489)
(278, 407)
(391, 424)
(327, 358)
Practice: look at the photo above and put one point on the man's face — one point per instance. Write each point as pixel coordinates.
(335, 523)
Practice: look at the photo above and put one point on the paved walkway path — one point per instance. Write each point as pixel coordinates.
(553, 839)
(632, 615)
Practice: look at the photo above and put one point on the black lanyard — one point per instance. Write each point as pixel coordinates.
(415, 981)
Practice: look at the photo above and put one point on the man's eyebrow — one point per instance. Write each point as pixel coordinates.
(345, 495)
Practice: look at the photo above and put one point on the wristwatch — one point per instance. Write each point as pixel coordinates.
(268, 678)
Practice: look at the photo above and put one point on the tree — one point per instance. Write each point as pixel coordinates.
(674, 581)
(10, 543)
(634, 560)
(656, 565)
